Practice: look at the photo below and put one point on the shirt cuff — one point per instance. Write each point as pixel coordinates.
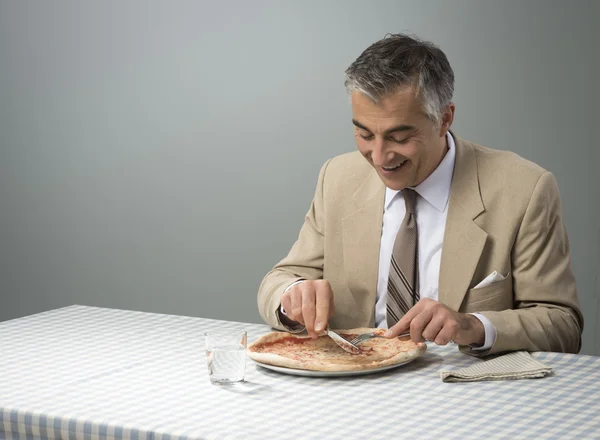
(490, 333)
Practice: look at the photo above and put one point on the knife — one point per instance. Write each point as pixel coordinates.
(345, 344)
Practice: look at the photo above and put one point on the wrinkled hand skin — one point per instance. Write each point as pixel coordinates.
(433, 321)
(309, 303)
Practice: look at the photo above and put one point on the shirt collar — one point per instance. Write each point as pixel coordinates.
(436, 188)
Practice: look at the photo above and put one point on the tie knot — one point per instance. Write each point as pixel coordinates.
(410, 198)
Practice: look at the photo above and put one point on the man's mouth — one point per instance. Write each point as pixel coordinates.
(396, 167)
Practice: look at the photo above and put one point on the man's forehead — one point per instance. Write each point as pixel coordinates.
(384, 115)
(399, 105)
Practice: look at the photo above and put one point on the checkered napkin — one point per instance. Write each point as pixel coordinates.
(517, 365)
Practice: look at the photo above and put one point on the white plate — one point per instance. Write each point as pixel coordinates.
(313, 373)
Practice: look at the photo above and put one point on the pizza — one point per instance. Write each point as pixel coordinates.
(323, 354)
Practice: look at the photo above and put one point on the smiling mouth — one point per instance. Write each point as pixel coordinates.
(393, 168)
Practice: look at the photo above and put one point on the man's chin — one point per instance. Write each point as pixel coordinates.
(397, 184)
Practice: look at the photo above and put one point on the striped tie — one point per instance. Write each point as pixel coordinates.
(403, 282)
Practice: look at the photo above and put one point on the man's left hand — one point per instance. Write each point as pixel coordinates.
(432, 320)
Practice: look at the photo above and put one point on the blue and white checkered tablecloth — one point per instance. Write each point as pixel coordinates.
(86, 373)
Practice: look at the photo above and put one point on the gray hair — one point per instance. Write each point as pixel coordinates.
(399, 60)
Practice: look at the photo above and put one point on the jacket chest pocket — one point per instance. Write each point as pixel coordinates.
(495, 297)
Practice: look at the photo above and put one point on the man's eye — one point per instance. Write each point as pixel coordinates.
(366, 137)
(401, 141)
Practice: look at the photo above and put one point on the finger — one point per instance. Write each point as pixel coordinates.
(308, 310)
(296, 306)
(286, 304)
(324, 305)
(433, 328)
(404, 323)
(418, 324)
(446, 334)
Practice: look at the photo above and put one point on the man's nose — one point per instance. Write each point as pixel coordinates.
(379, 155)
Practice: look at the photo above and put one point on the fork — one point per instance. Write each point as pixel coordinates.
(366, 336)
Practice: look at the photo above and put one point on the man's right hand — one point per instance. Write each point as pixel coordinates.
(309, 303)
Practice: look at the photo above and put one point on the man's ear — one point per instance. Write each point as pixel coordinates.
(447, 119)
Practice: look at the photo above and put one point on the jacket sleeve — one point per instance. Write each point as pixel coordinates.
(546, 314)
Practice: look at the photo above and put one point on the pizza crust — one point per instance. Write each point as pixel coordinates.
(400, 352)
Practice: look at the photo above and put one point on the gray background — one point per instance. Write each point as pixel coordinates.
(160, 156)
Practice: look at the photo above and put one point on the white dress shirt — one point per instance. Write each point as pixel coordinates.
(431, 211)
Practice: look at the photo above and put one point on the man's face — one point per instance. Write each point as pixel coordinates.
(398, 139)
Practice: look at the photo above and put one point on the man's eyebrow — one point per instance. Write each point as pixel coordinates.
(401, 127)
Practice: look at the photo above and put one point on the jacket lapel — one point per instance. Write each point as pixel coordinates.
(361, 239)
(464, 240)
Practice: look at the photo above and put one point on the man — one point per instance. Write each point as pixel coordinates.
(423, 231)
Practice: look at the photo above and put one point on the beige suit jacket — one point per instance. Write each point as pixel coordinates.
(504, 215)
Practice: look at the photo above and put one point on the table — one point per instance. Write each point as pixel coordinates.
(86, 373)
